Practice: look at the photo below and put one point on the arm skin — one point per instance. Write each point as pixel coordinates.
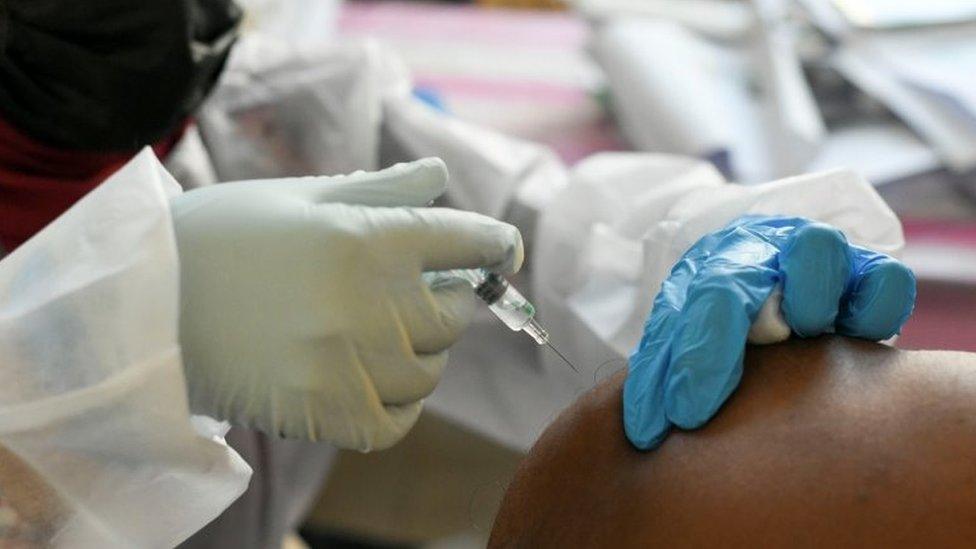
(829, 442)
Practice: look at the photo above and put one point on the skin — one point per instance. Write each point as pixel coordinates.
(30, 510)
(829, 442)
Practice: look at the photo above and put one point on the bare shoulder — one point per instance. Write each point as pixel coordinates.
(826, 440)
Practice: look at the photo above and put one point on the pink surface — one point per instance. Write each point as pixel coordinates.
(960, 233)
(573, 147)
(501, 89)
(514, 100)
(463, 23)
(945, 318)
(945, 313)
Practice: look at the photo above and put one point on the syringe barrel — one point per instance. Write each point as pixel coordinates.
(513, 309)
(508, 304)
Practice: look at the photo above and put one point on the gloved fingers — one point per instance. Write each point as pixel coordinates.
(415, 184)
(436, 318)
(455, 239)
(815, 265)
(344, 408)
(707, 349)
(399, 419)
(645, 421)
(415, 379)
(880, 298)
(722, 292)
(375, 426)
(399, 374)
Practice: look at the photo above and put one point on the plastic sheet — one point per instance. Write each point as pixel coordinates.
(98, 449)
(284, 110)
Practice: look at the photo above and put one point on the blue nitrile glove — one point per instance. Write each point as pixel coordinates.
(690, 358)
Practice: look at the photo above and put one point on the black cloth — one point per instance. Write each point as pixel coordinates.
(109, 75)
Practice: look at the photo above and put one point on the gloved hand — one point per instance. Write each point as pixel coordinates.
(304, 312)
(690, 358)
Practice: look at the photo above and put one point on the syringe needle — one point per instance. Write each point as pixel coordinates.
(509, 305)
(548, 344)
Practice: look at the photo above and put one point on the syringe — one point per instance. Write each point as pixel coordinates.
(508, 304)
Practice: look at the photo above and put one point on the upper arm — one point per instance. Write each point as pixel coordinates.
(826, 440)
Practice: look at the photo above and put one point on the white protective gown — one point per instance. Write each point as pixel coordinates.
(103, 280)
(95, 430)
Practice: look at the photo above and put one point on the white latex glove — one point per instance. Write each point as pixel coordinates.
(304, 311)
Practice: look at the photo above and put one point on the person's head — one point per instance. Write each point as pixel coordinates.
(109, 75)
(827, 443)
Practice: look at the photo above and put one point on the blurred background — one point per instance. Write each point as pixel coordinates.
(763, 89)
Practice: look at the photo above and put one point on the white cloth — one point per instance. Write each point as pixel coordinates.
(288, 475)
(92, 395)
(489, 170)
(669, 87)
(282, 110)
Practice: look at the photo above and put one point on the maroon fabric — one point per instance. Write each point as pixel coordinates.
(38, 182)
